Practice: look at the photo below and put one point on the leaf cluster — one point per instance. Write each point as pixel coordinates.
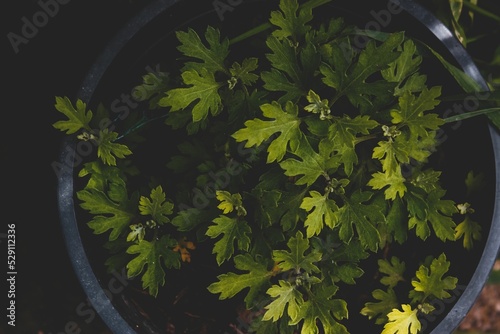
(290, 167)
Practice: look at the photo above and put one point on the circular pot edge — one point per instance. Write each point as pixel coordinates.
(80, 263)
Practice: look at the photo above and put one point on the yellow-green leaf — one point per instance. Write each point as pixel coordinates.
(403, 322)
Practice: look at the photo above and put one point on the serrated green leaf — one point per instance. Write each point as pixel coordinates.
(363, 217)
(391, 153)
(232, 230)
(292, 71)
(321, 212)
(295, 259)
(203, 93)
(393, 271)
(291, 21)
(403, 322)
(230, 284)
(108, 150)
(397, 220)
(286, 296)
(355, 84)
(212, 57)
(243, 71)
(405, 65)
(470, 230)
(277, 81)
(438, 215)
(427, 179)
(151, 255)
(320, 308)
(394, 183)
(157, 207)
(285, 122)
(344, 130)
(415, 83)
(290, 204)
(284, 58)
(108, 214)
(416, 202)
(100, 175)
(430, 281)
(311, 164)
(411, 111)
(329, 31)
(230, 202)
(387, 301)
(78, 118)
(347, 273)
(350, 252)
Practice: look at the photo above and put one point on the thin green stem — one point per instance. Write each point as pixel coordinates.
(365, 138)
(481, 11)
(142, 122)
(252, 32)
(471, 114)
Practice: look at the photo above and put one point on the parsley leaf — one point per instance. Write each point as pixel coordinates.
(470, 230)
(78, 118)
(108, 150)
(321, 212)
(109, 213)
(320, 308)
(157, 207)
(243, 71)
(295, 259)
(311, 164)
(233, 230)
(285, 122)
(403, 322)
(355, 84)
(151, 255)
(203, 93)
(387, 301)
(363, 217)
(394, 271)
(291, 20)
(230, 284)
(286, 296)
(411, 111)
(430, 281)
(439, 215)
(212, 58)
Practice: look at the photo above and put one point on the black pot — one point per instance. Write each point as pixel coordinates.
(140, 44)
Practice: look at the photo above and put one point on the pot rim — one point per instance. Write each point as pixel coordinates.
(65, 192)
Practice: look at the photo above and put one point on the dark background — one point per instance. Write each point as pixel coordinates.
(52, 63)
